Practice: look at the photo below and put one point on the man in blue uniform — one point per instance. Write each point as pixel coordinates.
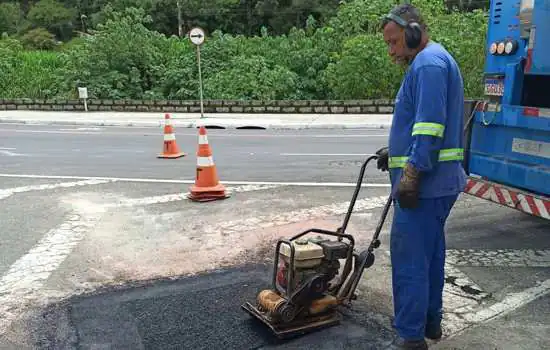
(424, 160)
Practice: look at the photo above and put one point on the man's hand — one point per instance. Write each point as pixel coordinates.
(408, 188)
(382, 161)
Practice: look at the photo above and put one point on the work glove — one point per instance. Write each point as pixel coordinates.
(408, 188)
(382, 161)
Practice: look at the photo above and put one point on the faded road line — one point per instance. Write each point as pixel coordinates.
(456, 324)
(6, 192)
(500, 257)
(237, 227)
(176, 181)
(131, 202)
(25, 278)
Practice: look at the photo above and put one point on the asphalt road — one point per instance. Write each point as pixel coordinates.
(71, 243)
(251, 155)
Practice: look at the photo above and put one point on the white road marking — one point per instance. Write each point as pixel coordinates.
(54, 132)
(8, 148)
(22, 282)
(10, 153)
(500, 257)
(83, 129)
(175, 181)
(237, 227)
(457, 324)
(6, 192)
(131, 202)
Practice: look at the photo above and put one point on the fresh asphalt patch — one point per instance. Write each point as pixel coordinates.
(198, 312)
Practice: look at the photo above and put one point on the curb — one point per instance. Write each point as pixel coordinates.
(219, 124)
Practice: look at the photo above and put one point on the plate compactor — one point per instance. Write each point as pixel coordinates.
(307, 284)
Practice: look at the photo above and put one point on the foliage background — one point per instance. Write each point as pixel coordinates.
(299, 49)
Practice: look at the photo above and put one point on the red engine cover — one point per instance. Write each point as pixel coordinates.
(281, 276)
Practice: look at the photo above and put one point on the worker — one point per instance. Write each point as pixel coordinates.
(424, 161)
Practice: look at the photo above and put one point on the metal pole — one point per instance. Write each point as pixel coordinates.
(200, 78)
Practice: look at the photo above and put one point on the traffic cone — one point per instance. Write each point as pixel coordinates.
(170, 146)
(207, 186)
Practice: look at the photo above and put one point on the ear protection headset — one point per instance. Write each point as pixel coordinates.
(413, 32)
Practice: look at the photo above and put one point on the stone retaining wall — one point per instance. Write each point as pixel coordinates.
(210, 106)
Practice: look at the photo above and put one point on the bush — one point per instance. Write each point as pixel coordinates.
(343, 59)
(38, 39)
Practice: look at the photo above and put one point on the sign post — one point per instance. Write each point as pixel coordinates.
(196, 35)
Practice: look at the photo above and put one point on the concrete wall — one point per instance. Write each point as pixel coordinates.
(210, 106)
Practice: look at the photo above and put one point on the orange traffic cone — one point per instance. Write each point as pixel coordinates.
(170, 147)
(207, 186)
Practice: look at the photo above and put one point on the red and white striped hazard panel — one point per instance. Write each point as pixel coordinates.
(537, 206)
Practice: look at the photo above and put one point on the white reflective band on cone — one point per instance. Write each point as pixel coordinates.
(205, 161)
(203, 140)
(169, 137)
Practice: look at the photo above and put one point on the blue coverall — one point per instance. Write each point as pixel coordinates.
(427, 132)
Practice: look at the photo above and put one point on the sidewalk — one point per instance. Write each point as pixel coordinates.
(192, 120)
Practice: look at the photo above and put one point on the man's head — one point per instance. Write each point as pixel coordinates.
(405, 33)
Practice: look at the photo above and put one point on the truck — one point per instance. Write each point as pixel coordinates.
(507, 131)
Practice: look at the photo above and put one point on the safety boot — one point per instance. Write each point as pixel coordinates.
(433, 332)
(402, 344)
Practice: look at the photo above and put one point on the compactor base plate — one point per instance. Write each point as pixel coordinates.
(298, 326)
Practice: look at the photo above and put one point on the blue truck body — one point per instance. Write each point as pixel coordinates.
(509, 131)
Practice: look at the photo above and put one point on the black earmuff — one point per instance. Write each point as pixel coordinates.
(413, 32)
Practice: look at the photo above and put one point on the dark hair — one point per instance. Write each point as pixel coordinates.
(407, 12)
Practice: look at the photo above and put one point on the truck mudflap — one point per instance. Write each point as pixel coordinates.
(523, 201)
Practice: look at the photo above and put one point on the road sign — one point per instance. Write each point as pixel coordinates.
(196, 35)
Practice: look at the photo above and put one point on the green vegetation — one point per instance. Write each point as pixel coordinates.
(133, 50)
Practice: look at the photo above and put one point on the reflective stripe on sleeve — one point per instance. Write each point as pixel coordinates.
(430, 129)
(445, 155)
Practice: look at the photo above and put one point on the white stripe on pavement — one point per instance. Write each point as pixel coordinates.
(456, 324)
(131, 202)
(6, 192)
(238, 227)
(27, 275)
(176, 181)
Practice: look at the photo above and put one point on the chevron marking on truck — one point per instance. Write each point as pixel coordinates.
(513, 199)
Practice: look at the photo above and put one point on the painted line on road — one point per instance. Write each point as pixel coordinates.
(131, 202)
(239, 227)
(24, 279)
(7, 192)
(8, 148)
(500, 257)
(176, 181)
(11, 154)
(454, 325)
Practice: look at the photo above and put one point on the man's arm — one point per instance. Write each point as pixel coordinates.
(430, 95)
(431, 114)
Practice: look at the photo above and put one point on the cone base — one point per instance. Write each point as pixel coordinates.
(207, 196)
(172, 156)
